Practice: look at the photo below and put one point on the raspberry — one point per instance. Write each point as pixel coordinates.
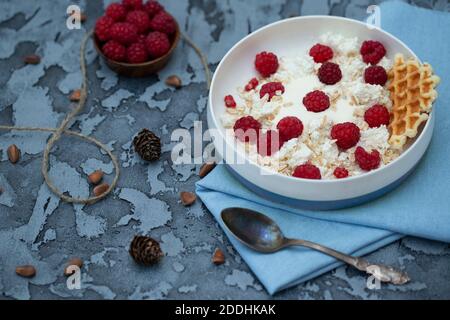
(247, 129)
(116, 11)
(321, 53)
(316, 101)
(142, 39)
(367, 161)
(114, 50)
(266, 63)
(375, 75)
(137, 53)
(271, 88)
(372, 51)
(163, 22)
(139, 19)
(307, 171)
(330, 73)
(102, 27)
(252, 84)
(290, 128)
(347, 135)
(133, 4)
(124, 33)
(229, 102)
(377, 116)
(268, 143)
(340, 173)
(153, 7)
(158, 44)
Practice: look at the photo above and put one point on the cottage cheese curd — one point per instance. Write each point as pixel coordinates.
(349, 99)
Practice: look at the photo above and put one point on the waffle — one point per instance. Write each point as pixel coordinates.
(411, 86)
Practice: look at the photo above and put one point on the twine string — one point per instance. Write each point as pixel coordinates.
(62, 128)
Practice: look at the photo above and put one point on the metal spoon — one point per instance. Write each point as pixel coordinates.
(262, 234)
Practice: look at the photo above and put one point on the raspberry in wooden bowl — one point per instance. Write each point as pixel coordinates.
(136, 39)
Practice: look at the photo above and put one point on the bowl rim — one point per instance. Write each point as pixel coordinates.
(176, 39)
(364, 175)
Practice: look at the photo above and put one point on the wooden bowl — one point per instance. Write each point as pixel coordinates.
(137, 70)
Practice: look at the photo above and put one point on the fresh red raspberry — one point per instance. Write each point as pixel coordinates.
(266, 63)
(367, 161)
(330, 73)
(142, 38)
(346, 135)
(290, 128)
(268, 143)
(163, 22)
(158, 44)
(116, 11)
(133, 4)
(124, 33)
(252, 84)
(372, 51)
(375, 75)
(321, 53)
(115, 51)
(153, 7)
(316, 101)
(139, 19)
(377, 116)
(102, 27)
(307, 171)
(271, 88)
(247, 129)
(229, 101)
(137, 53)
(340, 173)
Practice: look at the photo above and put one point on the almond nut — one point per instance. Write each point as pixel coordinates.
(187, 198)
(76, 95)
(13, 153)
(100, 189)
(26, 271)
(206, 168)
(83, 17)
(218, 257)
(72, 262)
(32, 59)
(95, 177)
(174, 81)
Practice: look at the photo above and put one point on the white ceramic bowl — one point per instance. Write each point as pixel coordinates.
(282, 38)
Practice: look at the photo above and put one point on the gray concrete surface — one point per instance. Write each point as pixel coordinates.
(37, 228)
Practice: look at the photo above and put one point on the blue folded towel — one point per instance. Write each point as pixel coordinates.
(419, 207)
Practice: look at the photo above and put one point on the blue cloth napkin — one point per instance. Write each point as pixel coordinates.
(419, 207)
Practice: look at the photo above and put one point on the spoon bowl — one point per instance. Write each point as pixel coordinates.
(255, 230)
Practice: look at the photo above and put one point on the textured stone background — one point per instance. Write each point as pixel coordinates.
(36, 228)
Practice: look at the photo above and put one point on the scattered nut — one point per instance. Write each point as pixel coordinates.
(26, 271)
(13, 153)
(218, 257)
(72, 262)
(95, 177)
(174, 81)
(206, 168)
(1, 191)
(187, 198)
(100, 189)
(32, 59)
(83, 17)
(76, 95)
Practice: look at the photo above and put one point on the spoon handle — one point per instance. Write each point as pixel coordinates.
(379, 271)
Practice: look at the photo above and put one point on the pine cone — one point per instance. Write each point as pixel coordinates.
(145, 250)
(147, 145)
